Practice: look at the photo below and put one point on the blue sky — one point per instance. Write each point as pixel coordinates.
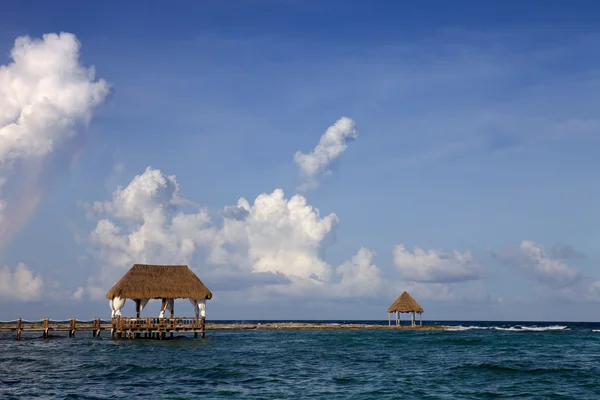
(478, 131)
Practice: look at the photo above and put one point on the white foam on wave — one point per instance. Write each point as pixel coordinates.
(595, 330)
(465, 328)
(516, 328)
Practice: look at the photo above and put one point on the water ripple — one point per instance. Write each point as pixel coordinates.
(472, 364)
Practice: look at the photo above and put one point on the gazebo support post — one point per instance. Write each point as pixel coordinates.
(421, 318)
(137, 308)
(389, 319)
(412, 322)
(203, 327)
(163, 306)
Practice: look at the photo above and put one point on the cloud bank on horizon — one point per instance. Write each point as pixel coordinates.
(47, 98)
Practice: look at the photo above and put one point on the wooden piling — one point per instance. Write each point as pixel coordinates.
(19, 328)
(46, 328)
(72, 327)
(203, 326)
(96, 329)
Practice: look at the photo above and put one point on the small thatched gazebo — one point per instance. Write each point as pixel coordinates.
(166, 282)
(405, 304)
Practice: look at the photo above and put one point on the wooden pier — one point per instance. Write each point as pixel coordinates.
(119, 327)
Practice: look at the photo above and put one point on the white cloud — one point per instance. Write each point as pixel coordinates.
(359, 276)
(467, 291)
(276, 235)
(331, 146)
(143, 224)
(431, 291)
(21, 284)
(275, 243)
(436, 265)
(46, 96)
(78, 294)
(533, 259)
(96, 293)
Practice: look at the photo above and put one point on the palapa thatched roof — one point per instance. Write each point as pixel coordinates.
(405, 304)
(159, 281)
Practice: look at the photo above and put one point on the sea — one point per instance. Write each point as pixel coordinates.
(467, 360)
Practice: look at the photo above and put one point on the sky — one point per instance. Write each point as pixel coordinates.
(307, 159)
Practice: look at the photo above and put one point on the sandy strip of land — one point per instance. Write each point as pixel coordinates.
(315, 326)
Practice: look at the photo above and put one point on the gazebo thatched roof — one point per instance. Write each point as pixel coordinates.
(159, 281)
(405, 304)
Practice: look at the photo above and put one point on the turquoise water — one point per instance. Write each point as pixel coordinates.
(465, 363)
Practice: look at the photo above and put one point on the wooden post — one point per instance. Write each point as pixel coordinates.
(137, 308)
(412, 321)
(389, 319)
(96, 327)
(398, 322)
(120, 327)
(202, 326)
(163, 306)
(421, 318)
(19, 328)
(46, 328)
(173, 309)
(72, 327)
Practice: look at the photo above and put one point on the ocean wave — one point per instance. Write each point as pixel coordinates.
(512, 369)
(516, 328)
(466, 328)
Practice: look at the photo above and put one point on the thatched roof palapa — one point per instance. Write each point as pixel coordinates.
(159, 281)
(405, 304)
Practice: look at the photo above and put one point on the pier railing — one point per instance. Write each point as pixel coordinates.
(130, 327)
(134, 326)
